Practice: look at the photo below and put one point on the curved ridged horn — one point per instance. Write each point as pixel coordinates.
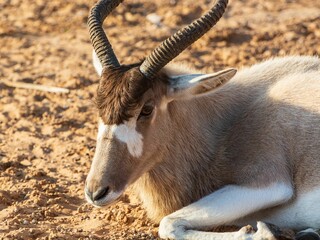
(99, 40)
(174, 45)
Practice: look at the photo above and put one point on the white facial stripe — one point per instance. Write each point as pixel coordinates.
(125, 133)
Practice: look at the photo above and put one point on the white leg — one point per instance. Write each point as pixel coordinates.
(245, 233)
(221, 207)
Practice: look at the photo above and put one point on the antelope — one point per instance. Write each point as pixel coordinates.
(204, 150)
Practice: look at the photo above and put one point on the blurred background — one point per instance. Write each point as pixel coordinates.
(47, 139)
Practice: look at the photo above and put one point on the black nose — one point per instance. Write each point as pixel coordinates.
(100, 193)
(97, 195)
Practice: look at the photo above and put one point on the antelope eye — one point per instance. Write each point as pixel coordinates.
(146, 110)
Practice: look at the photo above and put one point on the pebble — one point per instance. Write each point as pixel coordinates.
(155, 19)
(26, 163)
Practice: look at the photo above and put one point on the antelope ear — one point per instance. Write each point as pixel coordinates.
(186, 86)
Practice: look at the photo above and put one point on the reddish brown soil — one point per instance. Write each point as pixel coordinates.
(47, 139)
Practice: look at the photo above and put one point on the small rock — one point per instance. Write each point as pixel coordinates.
(26, 163)
(155, 19)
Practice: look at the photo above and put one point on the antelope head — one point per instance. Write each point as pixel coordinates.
(134, 103)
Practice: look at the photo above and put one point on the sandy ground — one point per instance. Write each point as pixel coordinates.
(47, 140)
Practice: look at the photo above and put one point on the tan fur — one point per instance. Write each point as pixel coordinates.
(261, 127)
(259, 122)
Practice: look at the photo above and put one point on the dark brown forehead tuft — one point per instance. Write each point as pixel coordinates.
(119, 91)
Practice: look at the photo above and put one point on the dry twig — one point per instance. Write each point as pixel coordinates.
(34, 86)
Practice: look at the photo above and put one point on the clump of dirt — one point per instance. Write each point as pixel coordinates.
(47, 140)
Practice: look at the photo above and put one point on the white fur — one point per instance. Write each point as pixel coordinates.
(96, 63)
(245, 233)
(308, 230)
(128, 134)
(125, 133)
(222, 206)
(102, 129)
(301, 214)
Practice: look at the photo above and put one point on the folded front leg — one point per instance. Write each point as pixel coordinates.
(223, 206)
(264, 232)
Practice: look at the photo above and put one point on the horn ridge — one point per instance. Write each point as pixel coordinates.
(98, 37)
(174, 45)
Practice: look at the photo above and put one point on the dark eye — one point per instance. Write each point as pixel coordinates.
(146, 110)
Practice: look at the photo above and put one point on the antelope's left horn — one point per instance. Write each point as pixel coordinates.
(174, 45)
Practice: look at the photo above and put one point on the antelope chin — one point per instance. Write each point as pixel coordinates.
(105, 201)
